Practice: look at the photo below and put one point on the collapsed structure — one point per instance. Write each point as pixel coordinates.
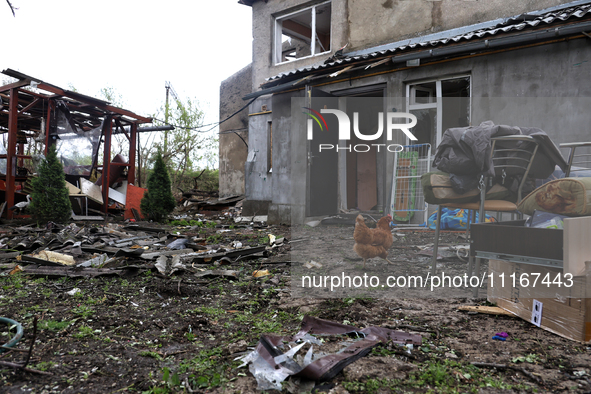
(35, 115)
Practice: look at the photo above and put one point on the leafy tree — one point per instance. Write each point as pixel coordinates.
(158, 201)
(184, 149)
(49, 199)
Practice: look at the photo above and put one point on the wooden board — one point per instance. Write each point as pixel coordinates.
(72, 189)
(488, 310)
(91, 190)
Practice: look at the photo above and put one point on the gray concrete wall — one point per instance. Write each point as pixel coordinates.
(258, 178)
(232, 150)
(366, 23)
(374, 22)
(264, 14)
(284, 180)
(543, 86)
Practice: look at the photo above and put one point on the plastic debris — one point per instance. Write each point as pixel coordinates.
(55, 257)
(178, 244)
(260, 273)
(312, 264)
(15, 270)
(97, 261)
(274, 358)
(73, 291)
(168, 268)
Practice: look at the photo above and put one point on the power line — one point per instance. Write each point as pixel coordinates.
(197, 129)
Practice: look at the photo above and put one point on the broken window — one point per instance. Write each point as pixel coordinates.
(438, 106)
(303, 33)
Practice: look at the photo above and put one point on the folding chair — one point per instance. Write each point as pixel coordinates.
(508, 159)
(581, 158)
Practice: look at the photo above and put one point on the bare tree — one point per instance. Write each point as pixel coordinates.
(11, 7)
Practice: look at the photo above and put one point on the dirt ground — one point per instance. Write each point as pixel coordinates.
(153, 333)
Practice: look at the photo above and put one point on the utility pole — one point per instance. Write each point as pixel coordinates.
(167, 86)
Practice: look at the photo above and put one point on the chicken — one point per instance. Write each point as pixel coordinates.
(372, 242)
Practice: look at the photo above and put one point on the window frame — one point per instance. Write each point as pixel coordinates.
(278, 33)
(435, 101)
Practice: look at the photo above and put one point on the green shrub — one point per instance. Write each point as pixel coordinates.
(50, 201)
(158, 201)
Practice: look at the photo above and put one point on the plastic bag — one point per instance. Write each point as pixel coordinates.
(454, 219)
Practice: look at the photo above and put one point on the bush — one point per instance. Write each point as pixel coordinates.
(158, 201)
(50, 200)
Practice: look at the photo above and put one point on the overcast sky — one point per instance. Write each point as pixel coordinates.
(132, 46)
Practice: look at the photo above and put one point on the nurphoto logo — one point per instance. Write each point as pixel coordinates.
(344, 129)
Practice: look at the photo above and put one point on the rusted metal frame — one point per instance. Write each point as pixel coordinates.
(139, 160)
(21, 155)
(95, 156)
(11, 150)
(108, 131)
(125, 112)
(50, 105)
(17, 84)
(95, 102)
(120, 126)
(132, 151)
(31, 105)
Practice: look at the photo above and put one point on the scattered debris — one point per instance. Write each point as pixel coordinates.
(272, 361)
(312, 264)
(489, 310)
(260, 273)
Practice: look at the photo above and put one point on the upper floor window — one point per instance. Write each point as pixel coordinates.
(303, 33)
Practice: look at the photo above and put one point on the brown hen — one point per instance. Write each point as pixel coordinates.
(372, 242)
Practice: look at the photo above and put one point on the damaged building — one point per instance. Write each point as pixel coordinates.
(450, 63)
(35, 115)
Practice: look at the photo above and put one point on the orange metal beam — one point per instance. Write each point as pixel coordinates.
(107, 161)
(17, 84)
(11, 150)
(132, 144)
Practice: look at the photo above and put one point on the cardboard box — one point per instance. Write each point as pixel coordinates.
(561, 309)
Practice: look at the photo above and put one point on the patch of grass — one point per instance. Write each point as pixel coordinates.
(208, 369)
(83, 311)
(207, 310)
(372, 386)
(53, 325)
(84, 331)
(147, 353)
(215, 239)
(45, 365)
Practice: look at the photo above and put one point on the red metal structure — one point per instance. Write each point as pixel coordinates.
(29, 111)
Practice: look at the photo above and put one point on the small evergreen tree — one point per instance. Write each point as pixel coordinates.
(158, 201)
(49, 199)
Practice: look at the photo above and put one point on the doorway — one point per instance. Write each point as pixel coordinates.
(362, 169)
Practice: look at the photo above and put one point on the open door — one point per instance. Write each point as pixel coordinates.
(323, 164)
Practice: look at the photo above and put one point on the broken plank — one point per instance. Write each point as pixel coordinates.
(87, 218)
(218, 273)
(135, 227)
(489, 310)
(211, 257)
(76, 272)
(149, 256)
